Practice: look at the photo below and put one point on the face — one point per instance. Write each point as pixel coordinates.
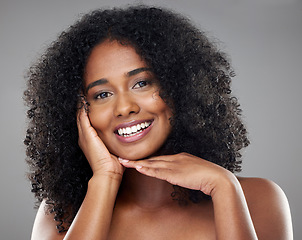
(125, 107)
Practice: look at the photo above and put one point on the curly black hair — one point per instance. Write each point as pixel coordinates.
(194, 76)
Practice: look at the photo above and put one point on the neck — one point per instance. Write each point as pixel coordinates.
(143, 191)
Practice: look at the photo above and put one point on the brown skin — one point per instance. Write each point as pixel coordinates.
(128, 93)
(241, 208)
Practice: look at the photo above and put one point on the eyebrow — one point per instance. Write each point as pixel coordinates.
(137, 71)
(104, 80)
(96, 83)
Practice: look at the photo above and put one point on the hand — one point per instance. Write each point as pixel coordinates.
(184, 170)
(98, 156)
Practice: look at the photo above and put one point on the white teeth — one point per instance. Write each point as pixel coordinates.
(130, 131)
(133, 129)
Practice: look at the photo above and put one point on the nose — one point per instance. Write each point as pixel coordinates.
(125, 105)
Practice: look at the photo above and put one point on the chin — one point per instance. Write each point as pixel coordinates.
(143, 155)
(134, 155)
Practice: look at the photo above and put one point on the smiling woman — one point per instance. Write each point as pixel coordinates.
(126, 98)
(151, 144)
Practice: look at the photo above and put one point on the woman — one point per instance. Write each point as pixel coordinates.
(134, 134)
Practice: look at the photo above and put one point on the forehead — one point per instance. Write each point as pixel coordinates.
(110, 59)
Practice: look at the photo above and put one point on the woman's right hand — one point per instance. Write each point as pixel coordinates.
(101, 161)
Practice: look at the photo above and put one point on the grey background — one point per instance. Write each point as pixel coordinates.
(264, 40)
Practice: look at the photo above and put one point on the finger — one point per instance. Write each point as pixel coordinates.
(79, 116)
(174, 157)
(81, 112)
(84, 126)
(142, 166)
(88, 135)
(163, 157)
(84, 123)
(166, 174)
(154, 164)
(149, 161)
(81, 103)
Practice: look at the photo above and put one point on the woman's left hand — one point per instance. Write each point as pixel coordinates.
(184, 170)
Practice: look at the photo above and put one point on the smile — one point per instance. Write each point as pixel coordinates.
(133, 130)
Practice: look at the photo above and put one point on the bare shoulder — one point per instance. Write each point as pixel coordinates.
(269, 208)
(255, 188)
(45, 226)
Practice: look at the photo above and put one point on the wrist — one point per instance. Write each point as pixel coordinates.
(227, 186)
(105, 179)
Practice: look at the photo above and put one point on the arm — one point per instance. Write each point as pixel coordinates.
(232, 216)
(92, 220)
(94, 216)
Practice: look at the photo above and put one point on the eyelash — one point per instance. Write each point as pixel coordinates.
(99, 95)
(146, 83)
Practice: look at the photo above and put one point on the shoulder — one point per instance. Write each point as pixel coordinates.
(268, 207)
(255, 188)
(45, 225)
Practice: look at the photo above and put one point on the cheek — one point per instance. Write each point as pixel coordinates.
(100, 119)
(156, 104)
(163, 109)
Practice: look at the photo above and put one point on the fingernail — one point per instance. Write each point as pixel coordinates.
(138, 167)
(122, 159)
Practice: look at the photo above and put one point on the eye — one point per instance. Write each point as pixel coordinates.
(102, 95)
(141, 84)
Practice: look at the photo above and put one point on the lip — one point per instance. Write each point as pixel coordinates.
(131, 123)
(135, 137)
